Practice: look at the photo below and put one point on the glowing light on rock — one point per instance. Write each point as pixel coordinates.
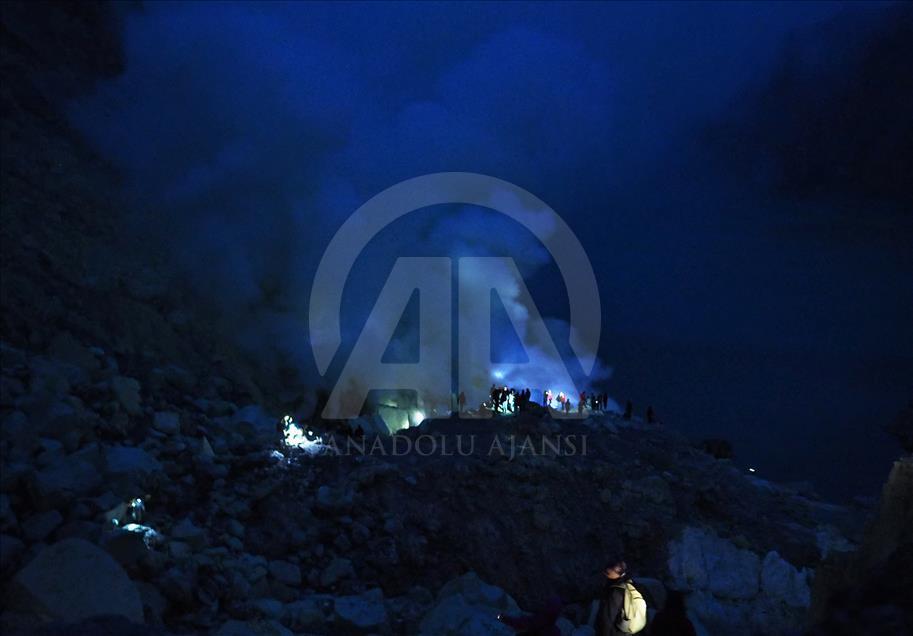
(150, 536)
(417, 418)
(296, 437)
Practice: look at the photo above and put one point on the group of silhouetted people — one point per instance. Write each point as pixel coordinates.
(512, 400)
(629, 413)
(593, 401)
(503, 399)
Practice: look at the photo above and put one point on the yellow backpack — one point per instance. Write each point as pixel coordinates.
(634, 610)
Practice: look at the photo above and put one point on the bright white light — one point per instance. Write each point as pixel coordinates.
(417, 418)
(499, 375)
(150, 536)
(752, 470)
(296, 437)
(137, 508)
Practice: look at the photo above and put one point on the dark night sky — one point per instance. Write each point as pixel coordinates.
(740, 306)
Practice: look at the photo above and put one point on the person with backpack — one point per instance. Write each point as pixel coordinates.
(622, 608)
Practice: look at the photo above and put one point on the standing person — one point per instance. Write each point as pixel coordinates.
(604, 398)
(651, 416)
(547, 396)
(622, 609)
(462, 401)
(629, 410)
(582, 403)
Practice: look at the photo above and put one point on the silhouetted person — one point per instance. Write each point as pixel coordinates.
(540, 623)
(651, 416)
(629, 410)
(462, 401)
(673, 620)
(604, 399)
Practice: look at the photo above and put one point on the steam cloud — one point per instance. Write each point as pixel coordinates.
(246, 142)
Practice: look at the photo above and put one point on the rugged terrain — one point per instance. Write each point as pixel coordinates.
(169, 500)
(146, 478)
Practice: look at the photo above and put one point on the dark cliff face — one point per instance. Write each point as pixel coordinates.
(72, 267)
(870, 591)
(58, 198)
(59, 49)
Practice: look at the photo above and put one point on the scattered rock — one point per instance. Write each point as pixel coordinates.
(467, 607)
(11, 549)
(781, 580)
(285, 572)
(185, 531)
(337, 570)
(126, 391)
(8, 519)
(60, 483)
(72, 580)
(361, 613)
(703, 561)
(269, 608)
(304, 614)
(39, 527)
(253, 420)
(253, 628)
(167, 422)
(130, 459)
